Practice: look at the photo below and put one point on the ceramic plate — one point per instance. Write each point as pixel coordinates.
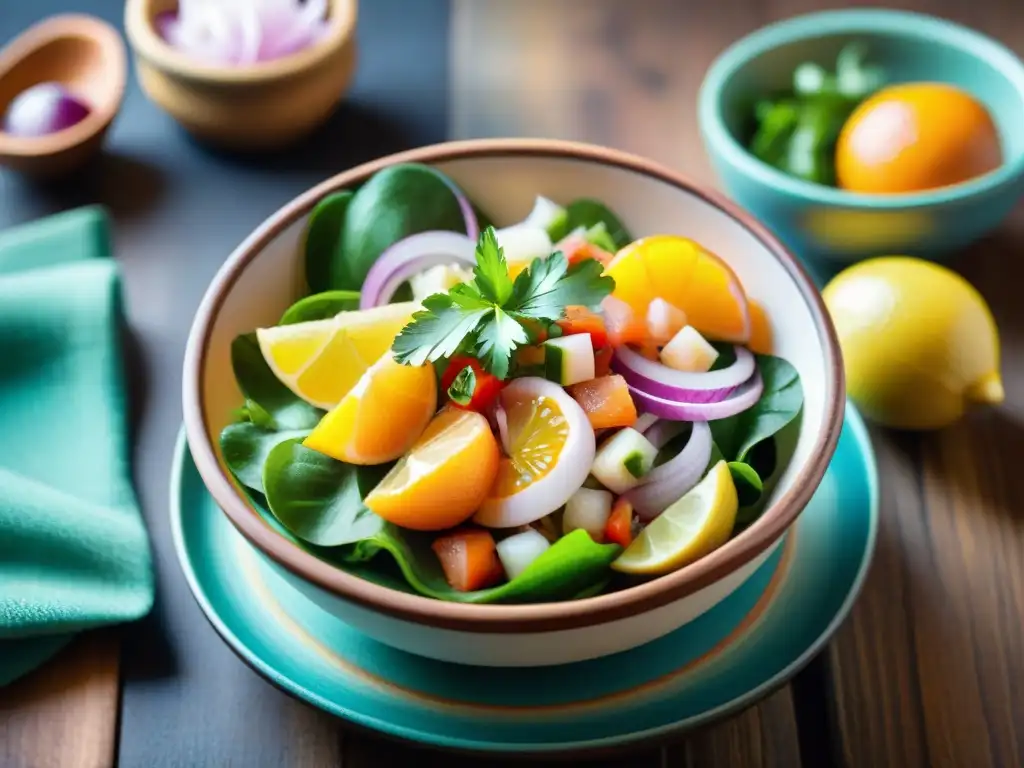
(723, 661)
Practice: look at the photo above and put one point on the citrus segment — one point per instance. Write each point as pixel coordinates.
(550, 449)
(760, 329)
(687, 276)
(443, 478)
(381, 416)
(696, 525)
(321, 360)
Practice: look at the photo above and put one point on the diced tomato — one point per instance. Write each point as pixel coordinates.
(619, 528)
(603, 361)
(577, 248)
(469, 559)
(622, 324)
(606, 401)
(485, 390)
(530, 355)
(582, 320)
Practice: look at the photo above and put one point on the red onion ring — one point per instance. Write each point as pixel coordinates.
(740, 400)
(410, 256)
(679, 386)
(665, 485)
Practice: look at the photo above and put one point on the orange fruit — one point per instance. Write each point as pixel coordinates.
(544, 425)
(381, 416)
(916, 136)
(687, 276)
(443, 478)
(760, 329)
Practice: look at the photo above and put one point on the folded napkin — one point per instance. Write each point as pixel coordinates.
(73, 549)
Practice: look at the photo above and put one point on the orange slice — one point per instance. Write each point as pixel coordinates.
(443, 478)
(760, 329)
(687, 276)
(381, 416)
(550, 449)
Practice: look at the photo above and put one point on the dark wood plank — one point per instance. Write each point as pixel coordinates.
(64, 714)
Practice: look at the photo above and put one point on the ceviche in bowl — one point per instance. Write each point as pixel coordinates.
(512, 439)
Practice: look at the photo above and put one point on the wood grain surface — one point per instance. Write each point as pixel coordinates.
(929, 669)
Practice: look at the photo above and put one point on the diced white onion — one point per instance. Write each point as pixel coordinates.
(518, 551)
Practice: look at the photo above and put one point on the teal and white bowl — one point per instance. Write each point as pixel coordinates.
(265, 275)
(820, 222)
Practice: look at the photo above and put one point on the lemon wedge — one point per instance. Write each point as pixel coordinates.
(693, 527)
(321, 360)
(919, 342)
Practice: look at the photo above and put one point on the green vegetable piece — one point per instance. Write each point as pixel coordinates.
(278, 406)
(320, 306)
(634, 464)
(322, 236)
(573, 565)
(598, 235)
(747, 481)
(856, 79)
(396, 202)
(319, 499)
(245, 447)
(777, 122)
(779, 405)
(463, 386)
(587, 213)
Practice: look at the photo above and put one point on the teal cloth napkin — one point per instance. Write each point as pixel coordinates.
(74, 553)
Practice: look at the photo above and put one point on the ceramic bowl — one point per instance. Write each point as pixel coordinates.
(265, 275)
(254, 107)
(86, 56)
(819, 221)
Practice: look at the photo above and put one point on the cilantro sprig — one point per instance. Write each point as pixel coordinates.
(492, 315)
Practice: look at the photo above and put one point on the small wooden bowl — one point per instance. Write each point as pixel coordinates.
(254, 107)
(84, 54)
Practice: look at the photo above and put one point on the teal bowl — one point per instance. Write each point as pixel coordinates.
(829, 226)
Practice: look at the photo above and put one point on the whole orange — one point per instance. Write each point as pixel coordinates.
(916, 136)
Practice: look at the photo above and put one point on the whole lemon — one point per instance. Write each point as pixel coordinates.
(916, 136)
(919, 342)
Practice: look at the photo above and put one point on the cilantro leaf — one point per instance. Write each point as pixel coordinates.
(435, 331)
(463, 386)
(492, 315)
(548, 286)
(491, 270)
(497, 337)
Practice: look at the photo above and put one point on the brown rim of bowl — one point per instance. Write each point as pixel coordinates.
(159, 53)
(542, 617)
(68, 25)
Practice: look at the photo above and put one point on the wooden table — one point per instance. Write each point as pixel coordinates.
(928, 670)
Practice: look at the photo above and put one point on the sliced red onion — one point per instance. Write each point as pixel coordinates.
(44, 109)
(644, 422)
(740, 400)
(665, 485)
(681, 386)
(410, 256)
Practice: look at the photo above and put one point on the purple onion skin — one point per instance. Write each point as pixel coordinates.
(44, 109)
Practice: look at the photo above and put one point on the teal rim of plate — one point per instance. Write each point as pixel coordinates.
(862, 448)
(853, 21)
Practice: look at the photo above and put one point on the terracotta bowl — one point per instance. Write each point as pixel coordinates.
(265, 275)
(255, 107)
(86, 56)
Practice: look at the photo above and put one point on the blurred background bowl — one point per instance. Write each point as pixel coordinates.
(833, 226)
(252, 107)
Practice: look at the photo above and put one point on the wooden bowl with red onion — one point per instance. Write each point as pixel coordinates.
(512, 402)
(247, 76)
(61, 85)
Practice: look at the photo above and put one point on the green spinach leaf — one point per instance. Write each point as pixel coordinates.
(245, 447)
(319, 499)
(320, 306)
(278, 407)
(588, 213)
(323, 232)
(780, 404)
(747, 481)
(573, 565)
(396, 202)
